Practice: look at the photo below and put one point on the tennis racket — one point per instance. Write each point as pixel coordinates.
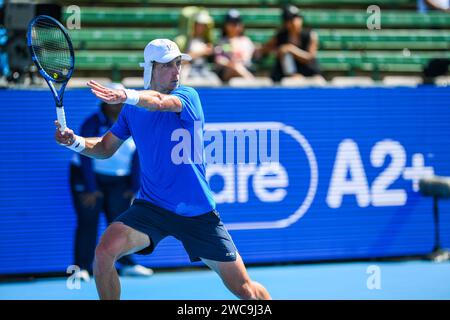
(52, 52)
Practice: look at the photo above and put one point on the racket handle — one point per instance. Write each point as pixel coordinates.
(61, 118)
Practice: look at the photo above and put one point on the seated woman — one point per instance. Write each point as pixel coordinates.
(234, 51)
(295, 47)
(197, 41)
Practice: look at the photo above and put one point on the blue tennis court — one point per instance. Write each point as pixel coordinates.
(397, 280)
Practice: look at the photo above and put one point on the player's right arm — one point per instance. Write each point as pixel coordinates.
(96, 147)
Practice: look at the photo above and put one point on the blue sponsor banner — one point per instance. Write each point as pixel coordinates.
(342, 183)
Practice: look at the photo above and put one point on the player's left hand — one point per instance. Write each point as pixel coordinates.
(110, 96)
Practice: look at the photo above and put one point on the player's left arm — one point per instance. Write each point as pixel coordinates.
(148, 99)
(156, 101)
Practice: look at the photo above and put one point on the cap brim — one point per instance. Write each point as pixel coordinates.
(169, 57)
(186, 57)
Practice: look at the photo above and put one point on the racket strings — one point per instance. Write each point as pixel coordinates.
(52, 49)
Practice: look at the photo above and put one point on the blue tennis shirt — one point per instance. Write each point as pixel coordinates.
(179, 187)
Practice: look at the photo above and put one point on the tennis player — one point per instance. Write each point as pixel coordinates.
(174, 199)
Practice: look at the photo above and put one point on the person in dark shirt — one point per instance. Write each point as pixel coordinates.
(103, 185)
(296, 48)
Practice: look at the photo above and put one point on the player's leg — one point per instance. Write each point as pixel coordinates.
(235, 277)
(117, 241)
(205, 237)
(116, 202)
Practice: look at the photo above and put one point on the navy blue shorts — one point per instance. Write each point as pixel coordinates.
(203, 236)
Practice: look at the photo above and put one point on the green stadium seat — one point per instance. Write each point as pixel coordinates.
(162, 3)
(385, 39)
(109, 38)
(129, 60)
(399, 58)
(329, 60)
(104, 60)
(397, 3)
(263, 17)
(398, 62)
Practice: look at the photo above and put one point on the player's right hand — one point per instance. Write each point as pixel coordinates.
(65, 138)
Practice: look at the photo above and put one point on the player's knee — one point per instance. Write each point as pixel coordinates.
(245, 291)
(102, 253)
(112, 244)
(106, 255)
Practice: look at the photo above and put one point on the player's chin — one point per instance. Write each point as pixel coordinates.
(174, 84)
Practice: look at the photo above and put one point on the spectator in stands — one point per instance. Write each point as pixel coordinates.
(102, 185)
(4, 65)
(435, 67)
(424, 5)
(197, 41)
(295, 47)
(234, 52)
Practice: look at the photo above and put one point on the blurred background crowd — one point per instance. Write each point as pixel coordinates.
(248, 43)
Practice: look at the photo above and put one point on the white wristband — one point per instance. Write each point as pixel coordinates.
(132, 97)
(78, 145)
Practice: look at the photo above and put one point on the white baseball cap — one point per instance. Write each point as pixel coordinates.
(162, 51)
(203, 17)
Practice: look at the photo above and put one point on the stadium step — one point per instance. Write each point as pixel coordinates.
(231, 3)
(329, 60)
(137, 38)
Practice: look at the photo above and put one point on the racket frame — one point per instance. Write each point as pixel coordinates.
(57, 94)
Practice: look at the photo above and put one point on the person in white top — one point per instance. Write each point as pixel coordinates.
(196, 38)
(234, 52)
